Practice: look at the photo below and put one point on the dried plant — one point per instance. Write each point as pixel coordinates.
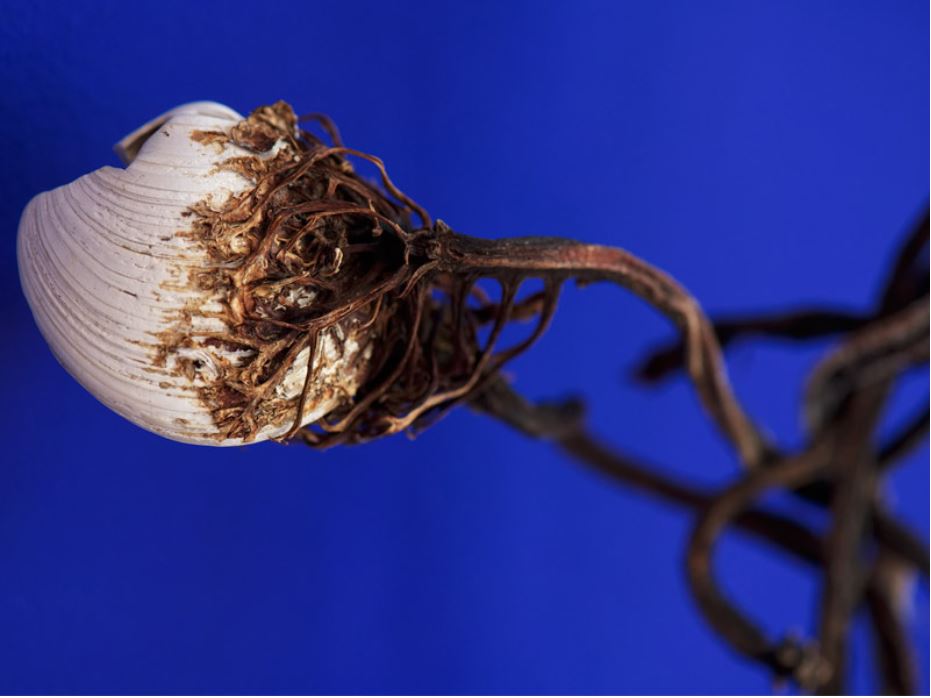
(373, 256)
(311, 252)
(867, 556)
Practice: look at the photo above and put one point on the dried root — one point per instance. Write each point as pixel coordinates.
(867, 557)
(314, 248)
(315, 253)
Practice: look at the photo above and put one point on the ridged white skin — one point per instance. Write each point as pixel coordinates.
(104, 270)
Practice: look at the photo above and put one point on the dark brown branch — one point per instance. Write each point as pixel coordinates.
(866, 364)
(902, 286)
(904, 283)
(562, 423)
(784, 658)
(854, 474)
(904, 441)
(845, 397)
(796, 325)
(587, 263)
(876, 354)
(893, 651)
(858, 374)
(896, 538)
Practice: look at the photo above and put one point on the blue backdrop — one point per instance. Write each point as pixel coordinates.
(768, 154)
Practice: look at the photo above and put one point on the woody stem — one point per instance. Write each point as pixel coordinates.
(562, 259)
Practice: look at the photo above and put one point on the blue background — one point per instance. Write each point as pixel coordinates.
(768, 154)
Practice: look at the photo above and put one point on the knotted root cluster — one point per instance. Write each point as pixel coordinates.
(316, 257)
(315, 251)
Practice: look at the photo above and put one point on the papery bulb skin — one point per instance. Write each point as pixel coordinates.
(122, 292)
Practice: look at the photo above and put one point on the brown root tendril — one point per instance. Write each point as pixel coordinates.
(315, 248)
(316, 254)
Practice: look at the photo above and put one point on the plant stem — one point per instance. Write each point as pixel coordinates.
(558, 258)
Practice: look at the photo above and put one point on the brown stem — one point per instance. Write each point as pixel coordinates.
(562, 423)
(901, 288)
(876, 354)
(909, 437)
(902, 284)
(854, 474)
(854, 379)
(893, 650)
(839, 468)
(844, 401)
(789, 473)
(897, 539)
(794, 325)
(525, 257)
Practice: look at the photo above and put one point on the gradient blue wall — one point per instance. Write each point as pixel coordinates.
(769, 154)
